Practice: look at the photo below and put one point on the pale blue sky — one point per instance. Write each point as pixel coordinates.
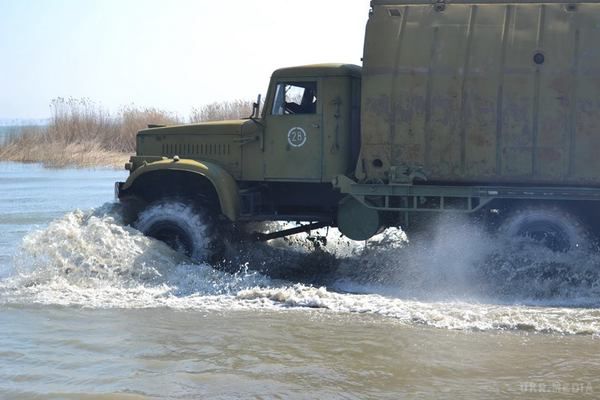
(169, 54)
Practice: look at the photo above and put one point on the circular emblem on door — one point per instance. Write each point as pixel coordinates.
(297, 137)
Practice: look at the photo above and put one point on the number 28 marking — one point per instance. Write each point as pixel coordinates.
(297, 137)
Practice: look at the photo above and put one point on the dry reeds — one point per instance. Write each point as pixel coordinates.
(35, 147)
(82, 133)
(236, 109)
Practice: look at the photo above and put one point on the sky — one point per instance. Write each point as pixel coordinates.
(171, 54)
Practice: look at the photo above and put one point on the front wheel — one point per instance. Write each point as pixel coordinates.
(181, 226)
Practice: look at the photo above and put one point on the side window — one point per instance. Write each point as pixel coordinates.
(295, 98)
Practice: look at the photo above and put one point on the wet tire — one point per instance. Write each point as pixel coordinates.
(554, 229)
(181, 226)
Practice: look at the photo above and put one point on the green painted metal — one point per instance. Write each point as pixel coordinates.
(214, 142)
(407, 197)
(224, 184)
(356, 220)
(294, 142)
(327, 150)
(319, 70)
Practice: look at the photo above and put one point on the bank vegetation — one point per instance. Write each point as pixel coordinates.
(81, 133)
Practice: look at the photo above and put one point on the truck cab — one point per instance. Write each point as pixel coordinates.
(309, 126)
(277, 165)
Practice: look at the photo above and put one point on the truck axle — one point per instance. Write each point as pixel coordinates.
(264, 237)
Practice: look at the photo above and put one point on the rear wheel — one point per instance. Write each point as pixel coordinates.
(553, 229)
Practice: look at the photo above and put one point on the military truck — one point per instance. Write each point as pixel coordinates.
(486, 108)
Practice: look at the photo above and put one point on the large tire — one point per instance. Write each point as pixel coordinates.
(551, 228)
(181, 226)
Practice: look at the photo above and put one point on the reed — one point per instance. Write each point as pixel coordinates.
(220, 111)
(82, 133)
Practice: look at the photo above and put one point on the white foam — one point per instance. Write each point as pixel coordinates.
(92, 260)
(183, 216)
(449, 315)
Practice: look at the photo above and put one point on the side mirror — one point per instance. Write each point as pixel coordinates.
(256, 108)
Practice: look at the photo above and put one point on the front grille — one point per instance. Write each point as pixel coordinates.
(214, 149)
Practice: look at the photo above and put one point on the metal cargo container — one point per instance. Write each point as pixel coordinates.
(482, 92)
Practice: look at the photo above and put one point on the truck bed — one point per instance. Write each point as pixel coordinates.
(482, 91)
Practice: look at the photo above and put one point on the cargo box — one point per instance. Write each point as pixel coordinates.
(482, 92)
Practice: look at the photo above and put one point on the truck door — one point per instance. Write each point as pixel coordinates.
(293, 138)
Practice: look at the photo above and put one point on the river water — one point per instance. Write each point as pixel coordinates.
(91, 309)
(6, 131)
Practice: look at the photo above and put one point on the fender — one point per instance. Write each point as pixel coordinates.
(224, 184)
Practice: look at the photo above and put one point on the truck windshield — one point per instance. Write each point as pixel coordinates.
(295, 98)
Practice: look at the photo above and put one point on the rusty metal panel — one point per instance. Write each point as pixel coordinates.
(487, 91)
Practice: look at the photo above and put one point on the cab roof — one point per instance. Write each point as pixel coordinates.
(317, 70)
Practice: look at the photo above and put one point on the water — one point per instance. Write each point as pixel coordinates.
(6, 131)
(90, 308)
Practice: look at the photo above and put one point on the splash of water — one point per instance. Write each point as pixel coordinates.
(184, 217)
(458, 277)
(460, 261)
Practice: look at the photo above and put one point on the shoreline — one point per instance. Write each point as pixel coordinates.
(57, 155)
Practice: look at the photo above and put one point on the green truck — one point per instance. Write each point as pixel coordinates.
(486, 108)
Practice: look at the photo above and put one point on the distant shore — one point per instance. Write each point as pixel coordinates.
(28, 147)
(82, 134)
